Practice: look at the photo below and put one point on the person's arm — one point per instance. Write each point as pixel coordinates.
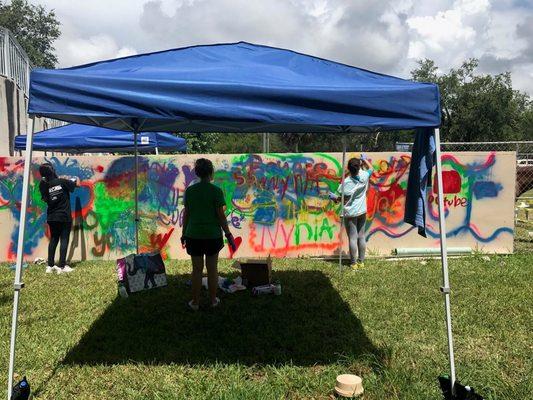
(43, 188)
(185, 222)
(365, 164)
(221, 214)
(70, 184)
(347, 191)
(185, 218)
(333, 197)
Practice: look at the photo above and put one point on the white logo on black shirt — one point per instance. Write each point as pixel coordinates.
(55, 192)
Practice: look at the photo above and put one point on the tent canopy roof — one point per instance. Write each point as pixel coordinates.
(239, 87)
(75, 138)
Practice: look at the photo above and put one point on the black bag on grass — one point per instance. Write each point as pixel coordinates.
(462, 392)
(21, 391)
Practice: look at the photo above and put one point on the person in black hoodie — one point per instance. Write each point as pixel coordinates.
(55, 192)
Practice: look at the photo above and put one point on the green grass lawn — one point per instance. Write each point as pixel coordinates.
(77, 340)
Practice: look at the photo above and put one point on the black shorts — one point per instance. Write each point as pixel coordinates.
(201, 247)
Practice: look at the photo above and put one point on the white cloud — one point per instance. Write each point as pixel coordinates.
(126, 51)
(523, 77)
(76, 50)
(453, 27)
(473, 29)
(96, 29)
(383, 35)
(502, 38)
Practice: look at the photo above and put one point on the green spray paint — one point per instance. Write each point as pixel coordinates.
(110, 210)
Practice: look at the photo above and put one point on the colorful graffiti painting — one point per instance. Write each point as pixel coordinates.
(284, 199)
(464, 185)
(277, 204)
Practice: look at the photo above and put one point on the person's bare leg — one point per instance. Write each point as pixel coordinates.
(211, 263)
(197, 271)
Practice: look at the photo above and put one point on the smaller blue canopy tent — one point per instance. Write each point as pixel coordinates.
(76, 138)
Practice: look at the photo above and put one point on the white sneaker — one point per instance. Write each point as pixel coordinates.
(66, 269)
(216, 303)
(51, 270)
(192, 306)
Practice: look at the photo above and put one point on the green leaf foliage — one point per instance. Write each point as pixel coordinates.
(34, 27)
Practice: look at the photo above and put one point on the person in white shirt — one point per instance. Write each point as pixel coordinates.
(354, 210)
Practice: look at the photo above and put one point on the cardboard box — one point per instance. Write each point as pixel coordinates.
(255, 272)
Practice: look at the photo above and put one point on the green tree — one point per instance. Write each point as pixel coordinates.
(34, 27)
(320, 142)
(237, 143)
(477, 107)
(201, 143)
(526, 122)
(355, 142)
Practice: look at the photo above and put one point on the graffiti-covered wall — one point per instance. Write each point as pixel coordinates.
(278, 204)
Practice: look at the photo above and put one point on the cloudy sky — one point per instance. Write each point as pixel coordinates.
(384, 36)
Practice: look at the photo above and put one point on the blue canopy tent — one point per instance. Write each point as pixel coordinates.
(232, 88)
(240, 87)
(76, 138)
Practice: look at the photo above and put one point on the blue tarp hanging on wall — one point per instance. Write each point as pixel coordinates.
(237, 87)
(75, 138)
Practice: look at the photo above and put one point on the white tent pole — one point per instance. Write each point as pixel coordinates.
(136, 183)
(444, 260)
(156, 151)
(18, 285)
(342, 200)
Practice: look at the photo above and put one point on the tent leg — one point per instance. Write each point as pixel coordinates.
(18, 285)
(156, 151)
(341, 233)
(136, 184)
(445, 289)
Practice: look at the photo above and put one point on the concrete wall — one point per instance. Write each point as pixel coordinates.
(14, 119)
(277, 204)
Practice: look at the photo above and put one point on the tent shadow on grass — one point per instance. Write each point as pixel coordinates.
(5, 298)
(308, 324)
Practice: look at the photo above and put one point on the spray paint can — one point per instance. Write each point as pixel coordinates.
(277, 289)
(264, 289)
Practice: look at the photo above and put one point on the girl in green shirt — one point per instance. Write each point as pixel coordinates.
(204, 219)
